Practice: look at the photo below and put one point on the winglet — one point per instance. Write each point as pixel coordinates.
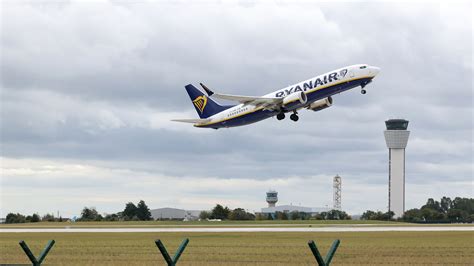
(208, 91)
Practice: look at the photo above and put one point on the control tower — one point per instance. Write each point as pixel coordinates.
(272, 198)
(396, 137)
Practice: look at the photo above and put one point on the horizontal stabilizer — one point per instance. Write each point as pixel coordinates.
(194, 121)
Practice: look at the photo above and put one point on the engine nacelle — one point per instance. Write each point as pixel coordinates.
(321, 104)
(295, 100)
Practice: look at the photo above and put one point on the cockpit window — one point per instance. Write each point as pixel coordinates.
(362, 67)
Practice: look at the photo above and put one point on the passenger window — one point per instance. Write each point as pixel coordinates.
(362, 67)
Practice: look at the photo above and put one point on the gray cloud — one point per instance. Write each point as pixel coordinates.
(96, 84)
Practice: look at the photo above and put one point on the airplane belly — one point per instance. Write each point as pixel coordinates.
(250, 118)
(243, 120)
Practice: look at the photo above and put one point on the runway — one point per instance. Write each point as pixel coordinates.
(241, 229)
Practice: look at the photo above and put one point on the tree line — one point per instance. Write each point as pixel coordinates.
(224, 213)
(131, 212)
(297, 215)
(15, 218)
(459, 210)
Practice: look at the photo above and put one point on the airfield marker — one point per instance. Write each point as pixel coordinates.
(42, 256)
(166, 256)
(329, 256)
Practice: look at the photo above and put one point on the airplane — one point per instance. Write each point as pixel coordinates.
(313, 94)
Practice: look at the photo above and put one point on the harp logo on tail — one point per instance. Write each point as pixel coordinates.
(200, 103)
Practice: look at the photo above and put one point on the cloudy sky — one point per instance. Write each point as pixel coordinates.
(88, 90)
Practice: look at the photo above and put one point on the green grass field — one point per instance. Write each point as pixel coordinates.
(380, 248)
(280, 223)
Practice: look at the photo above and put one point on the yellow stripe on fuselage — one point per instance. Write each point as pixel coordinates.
(260, 108)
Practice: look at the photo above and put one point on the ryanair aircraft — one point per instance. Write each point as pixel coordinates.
(313, 94)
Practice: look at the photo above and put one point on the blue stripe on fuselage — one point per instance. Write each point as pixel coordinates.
(264, 114)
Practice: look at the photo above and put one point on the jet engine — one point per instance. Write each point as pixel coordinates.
(321, 104)
(295, 100)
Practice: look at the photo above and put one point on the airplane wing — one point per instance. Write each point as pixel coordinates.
(194, 121)
(270, 103)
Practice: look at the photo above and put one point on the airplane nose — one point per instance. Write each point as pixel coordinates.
(374, 70)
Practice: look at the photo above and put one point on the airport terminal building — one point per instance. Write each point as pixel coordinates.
(272, 209)
(292, 208)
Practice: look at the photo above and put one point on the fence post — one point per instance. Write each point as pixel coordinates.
(329, 256)
(171, 261)
(42, 256)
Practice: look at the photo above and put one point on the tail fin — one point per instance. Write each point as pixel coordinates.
(205, 106)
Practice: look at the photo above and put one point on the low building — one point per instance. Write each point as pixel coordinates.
(174, 214)
(292, 208)
(272, 209)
